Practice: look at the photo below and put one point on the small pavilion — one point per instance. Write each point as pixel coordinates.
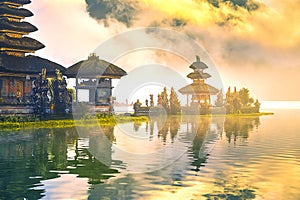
(94, 81)
(199, 90)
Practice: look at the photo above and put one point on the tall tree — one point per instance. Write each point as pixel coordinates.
(236, 101)
(244, 96)
(229, 106)
(164, 99)
(175, 106)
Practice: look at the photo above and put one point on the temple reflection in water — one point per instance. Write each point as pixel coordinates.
(31, 160)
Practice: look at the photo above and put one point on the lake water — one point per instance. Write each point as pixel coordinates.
(175, 158)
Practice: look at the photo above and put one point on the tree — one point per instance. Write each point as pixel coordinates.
(236, 101)
(159, 100)
(175, 106)
(244, 96)
(240, 102)
(164, 100)
(229, 106)
(151, 100)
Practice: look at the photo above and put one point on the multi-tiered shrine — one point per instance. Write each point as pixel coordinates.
(199, 90)
(17, 67)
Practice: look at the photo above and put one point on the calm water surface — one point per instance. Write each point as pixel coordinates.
(175, 158)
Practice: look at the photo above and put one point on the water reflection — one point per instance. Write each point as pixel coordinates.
(29, 157)
(169, 154)
(239, 127)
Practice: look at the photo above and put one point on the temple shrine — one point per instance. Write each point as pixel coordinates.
(94, 82)
(24, 78)
(199, 90)
(18, 68)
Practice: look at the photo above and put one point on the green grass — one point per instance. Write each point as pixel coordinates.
(89, 120)
(67, 123)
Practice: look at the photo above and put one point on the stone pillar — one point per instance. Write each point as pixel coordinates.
(187, 100)
(76, 89)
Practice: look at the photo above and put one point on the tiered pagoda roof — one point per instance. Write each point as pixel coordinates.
(198, 65)
(198, 88)
(19, 13)
(11, 26)
(15, 2)
(94, 67)
(29, 65)
(198, 76)
(12, 29)
(14, 45)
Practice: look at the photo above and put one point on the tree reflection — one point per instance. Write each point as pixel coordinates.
(28, 157)
(239, 126)
(168, 126)
(18, 164)
(197, 129)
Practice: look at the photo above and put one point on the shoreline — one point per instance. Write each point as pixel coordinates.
(69, 123)
(100, 121)
(247, 114)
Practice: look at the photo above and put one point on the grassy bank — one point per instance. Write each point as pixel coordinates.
(67, 123)
(234, 115)
(89, 120)
(251, 114)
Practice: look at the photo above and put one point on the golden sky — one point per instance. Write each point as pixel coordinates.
(253, 44)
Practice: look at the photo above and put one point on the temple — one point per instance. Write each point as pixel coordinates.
(18, 68)
(94, 82)
(199, 90)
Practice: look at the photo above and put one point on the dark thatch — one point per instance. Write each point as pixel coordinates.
(198, 75)
(22, 2)
(94, 67)
(6, 24)
(199, 88)
(29, 65)
(198, 64)
(22, 12)
(24, 43)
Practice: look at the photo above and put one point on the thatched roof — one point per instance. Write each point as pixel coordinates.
(21, 2)
(199, 88)
(22, 12)
(94, 67)
(6, 24)
(29, 65)
(198, 64)
(24, 43)
(198, 75)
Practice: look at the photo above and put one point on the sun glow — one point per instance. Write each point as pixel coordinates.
(199, 13)
(280, 105)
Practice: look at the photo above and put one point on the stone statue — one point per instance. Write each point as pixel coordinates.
(61, 97)
(39, 94)
(58, 75)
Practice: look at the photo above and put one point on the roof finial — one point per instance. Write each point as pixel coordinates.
(93, 56)
(197, 58)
